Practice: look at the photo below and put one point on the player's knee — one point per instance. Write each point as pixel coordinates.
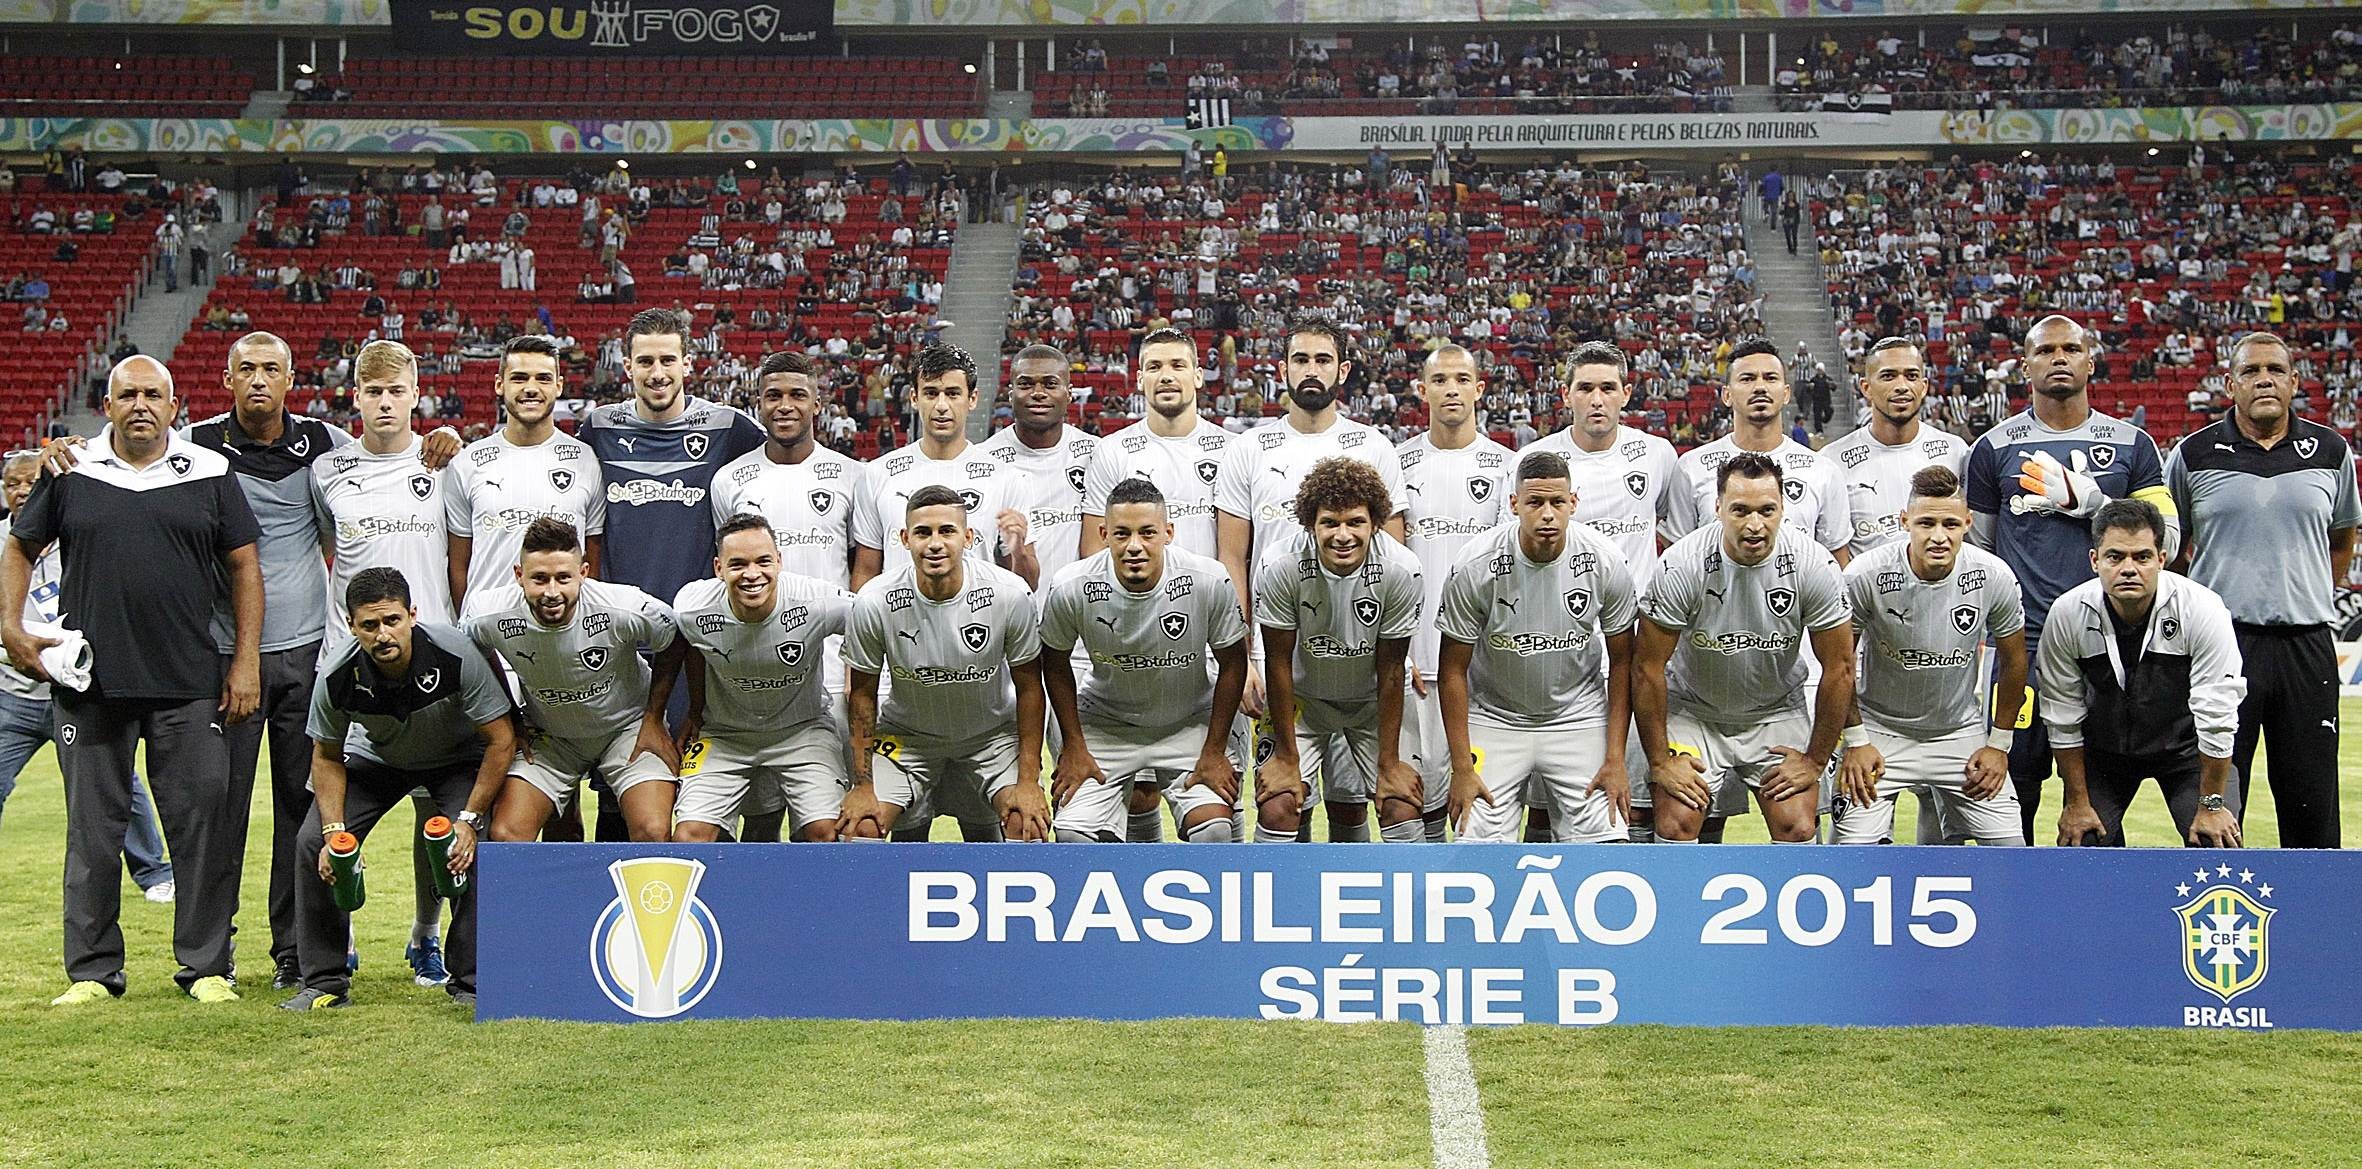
(696, 832)
(1348, 815)
(1209, 826)
(867, 829)
(1078, 836)
(1394, 810)
(816, 832)
(1279, 813)
(512, 830)
(649, 828)
(1143, 800)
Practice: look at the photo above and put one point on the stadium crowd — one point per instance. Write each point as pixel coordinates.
(2013, 67)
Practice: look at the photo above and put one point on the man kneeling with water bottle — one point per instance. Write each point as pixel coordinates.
(409, 706)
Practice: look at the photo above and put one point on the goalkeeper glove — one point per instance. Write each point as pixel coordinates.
(2061, 490)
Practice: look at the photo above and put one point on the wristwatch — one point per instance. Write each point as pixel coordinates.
(474, 821)
(2211, 803)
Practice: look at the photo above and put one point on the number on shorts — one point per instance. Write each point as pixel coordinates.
(887, 746)
(2026, 710)
(694, 758)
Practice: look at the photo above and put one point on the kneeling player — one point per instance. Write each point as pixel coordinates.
(960, 640)
(1529, 611)
(1147, 612)
(759, 710)
(1729, 609)
(574, 645)
(1337, 603)
(1922, 606)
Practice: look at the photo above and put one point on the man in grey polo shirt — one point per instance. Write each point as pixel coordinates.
(2269, 507)
(408, 706)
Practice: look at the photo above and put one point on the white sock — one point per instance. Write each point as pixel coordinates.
(1435, 822)
(1266, 834)
(1145, 827)
(1667, 840)
(1407, 832)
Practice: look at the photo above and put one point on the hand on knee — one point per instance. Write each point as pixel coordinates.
(1279, 812)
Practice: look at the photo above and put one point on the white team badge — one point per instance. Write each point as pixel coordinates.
(2103, 456)
(1206, 470)
(1637, 484)
(422, 486)
(429, 680)
(180, 464)
(593, 659)
(791, 652)
(1780, 600)
(2169, 628)
(67, 733)
(1074, 478)
(971, 499)
(1480, 489)
(2306, 446)
(696, 445)
(1964, 618)
(1175, 624)
(821, 501)
(1366, 608)
(1578, 603)
(561, 479)
(300, 447)
(975, 637)
(1793, 488)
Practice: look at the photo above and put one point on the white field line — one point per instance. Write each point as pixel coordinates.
(1455, 1116)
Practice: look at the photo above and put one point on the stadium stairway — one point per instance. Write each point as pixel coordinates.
(159, 319)
(1796, 308)
(976, 295)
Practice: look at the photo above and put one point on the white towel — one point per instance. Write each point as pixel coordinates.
(67, 662)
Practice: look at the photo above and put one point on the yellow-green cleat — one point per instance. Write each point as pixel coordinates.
(83, 992)
(213, 988)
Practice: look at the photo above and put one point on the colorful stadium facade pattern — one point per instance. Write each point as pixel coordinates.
(1922, 128)
(1368, 12)
(1888, 937)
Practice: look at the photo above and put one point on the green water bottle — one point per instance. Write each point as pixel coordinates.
(438, 852)
(344, 860)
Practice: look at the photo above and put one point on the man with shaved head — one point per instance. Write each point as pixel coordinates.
(155, 536)
(2033, 484)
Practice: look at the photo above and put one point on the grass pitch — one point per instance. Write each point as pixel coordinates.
(402, 1077)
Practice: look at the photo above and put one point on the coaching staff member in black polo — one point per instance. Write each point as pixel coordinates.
(2268, 508)
(2141, 673)
(408, 706)
(153, 531)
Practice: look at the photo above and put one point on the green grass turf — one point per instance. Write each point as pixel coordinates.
(154, 1079)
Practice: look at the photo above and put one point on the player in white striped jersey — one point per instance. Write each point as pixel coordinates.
(1922, 608)
(529, 469)
(1179, 451)
(1046, 456)
(593, 703)
(1147, 614)
(376, 503)
(1730, 609)
(761, 721)
(1255, 489)
(1455, 483)
(1173, 447)
(805, 491)
(1338, 603)
(1756, 393)
(1536, 679)
(962, 727)
(942, 456)
(1877, 461)
(1626, 483)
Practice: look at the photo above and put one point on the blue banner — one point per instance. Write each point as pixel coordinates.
(1475, 934)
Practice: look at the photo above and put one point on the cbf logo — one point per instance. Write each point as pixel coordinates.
(2226, 943)
(656, 950)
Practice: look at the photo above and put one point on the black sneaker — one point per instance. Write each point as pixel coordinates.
(315, 999)
(465, 998)
(289, 976)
